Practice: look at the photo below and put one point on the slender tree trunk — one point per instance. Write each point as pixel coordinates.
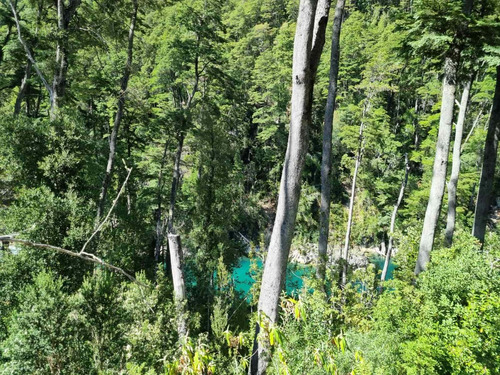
(359, 156)
(305, 61)
(118, 118)
(30, 57)
(23, 88)
(393, 219)
(471, 131)
(455, 167)
(326, 157)
(440, 161)
(484, 194)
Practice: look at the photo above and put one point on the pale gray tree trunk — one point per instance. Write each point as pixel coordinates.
(175, 247)
(455, 166)
(22, 88)
(159, 209)
(393, 219)
(438, 181)
(306, 56)
(326, 157)
(118, 117)
(484, 194)
(471, 131)
(176, 263)
(359, 156)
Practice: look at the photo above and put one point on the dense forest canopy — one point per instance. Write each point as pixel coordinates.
(149, 148)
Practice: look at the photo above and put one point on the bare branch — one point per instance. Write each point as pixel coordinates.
(99, 228)
(82, 255)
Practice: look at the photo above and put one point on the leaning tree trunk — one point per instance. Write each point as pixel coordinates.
(118, 118)
(488, 169)
(308, 45)
(30, 57)
(455, 167)
(393, 220)
(345, 253)
(440, 161)
(326, 157)
(22, 89)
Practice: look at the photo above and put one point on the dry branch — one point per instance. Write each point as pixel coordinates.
(82, 255)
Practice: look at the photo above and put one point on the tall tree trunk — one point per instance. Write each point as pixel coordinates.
(440, 161)
(64, 16)
(175, 247)
(359, 156)
(305, 61)
(393, 219)
(455, 167)
(488, 169)
(22, 89)
(176, 261)
(158, 213)
(118, 118)
(326, 157)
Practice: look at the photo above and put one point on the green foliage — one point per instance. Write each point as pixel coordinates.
(43, 334)
(217, 74)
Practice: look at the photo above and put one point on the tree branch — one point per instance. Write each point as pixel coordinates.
(28, 52)
(110, 210)
(82, 255)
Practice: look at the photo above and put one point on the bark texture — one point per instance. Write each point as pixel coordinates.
(440, 161)
(455, 167)
(305, 61)
(388, 254)
(484, 194)
(23, 88)
(64, 16)
(176, 261)
(118, 117)
(326, 157)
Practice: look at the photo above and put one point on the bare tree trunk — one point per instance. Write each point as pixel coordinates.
(158, 213)
(359, 156)
(488, 169)
(476, 121)
(176, 261)
(118, 118)
(175, 183)
(64, 16)
(455, 167)
(22, 89)
(305, 61)
(393, 219)
(174, 244)
(326, 157)
(440, 161)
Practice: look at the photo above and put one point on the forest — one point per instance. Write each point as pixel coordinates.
(249, 187)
